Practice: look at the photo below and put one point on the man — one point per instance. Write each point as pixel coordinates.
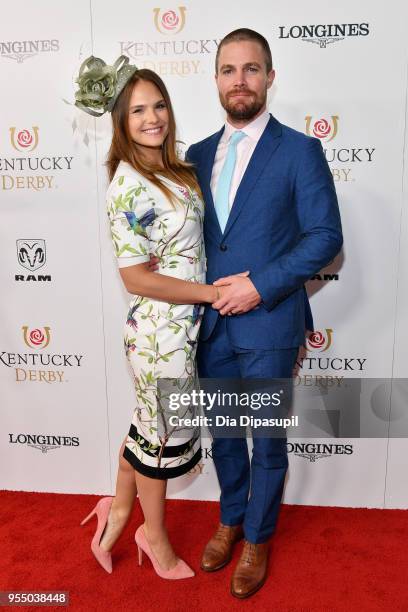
(271, 209)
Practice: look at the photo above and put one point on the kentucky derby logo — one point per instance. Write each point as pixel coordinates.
(319, 340)
(168, 21)
(31, 253)
(323, 129)
(24, 140)
(36, 338)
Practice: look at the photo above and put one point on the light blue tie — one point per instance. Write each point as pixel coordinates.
(225, 180)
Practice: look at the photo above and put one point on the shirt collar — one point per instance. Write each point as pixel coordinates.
(254, 129)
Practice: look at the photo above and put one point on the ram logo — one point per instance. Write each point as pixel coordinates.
(31, 253)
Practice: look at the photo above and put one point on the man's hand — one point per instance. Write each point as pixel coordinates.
(239, 295)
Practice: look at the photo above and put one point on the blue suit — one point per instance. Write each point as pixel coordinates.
(284, 226)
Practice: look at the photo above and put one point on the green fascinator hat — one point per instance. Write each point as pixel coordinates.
(100, 84)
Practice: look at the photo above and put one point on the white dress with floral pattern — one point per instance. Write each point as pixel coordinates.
(160, 338)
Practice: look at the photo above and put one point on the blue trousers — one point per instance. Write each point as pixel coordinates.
(251, 490)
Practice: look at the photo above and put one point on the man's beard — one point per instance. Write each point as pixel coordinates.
(243, 111)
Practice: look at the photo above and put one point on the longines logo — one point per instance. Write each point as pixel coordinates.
(31, 255)
(26, 140)
(319, 342)
(170, 55)
(169, 22)
(44, 443)
(324, 34)
(39, 365)
(21, 50)
(313, 451)
(326, 130)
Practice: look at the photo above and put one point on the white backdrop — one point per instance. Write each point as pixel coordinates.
(66, 391)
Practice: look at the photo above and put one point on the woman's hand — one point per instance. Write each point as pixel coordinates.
(153, 263)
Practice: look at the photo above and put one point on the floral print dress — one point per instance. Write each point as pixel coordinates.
(160, 338)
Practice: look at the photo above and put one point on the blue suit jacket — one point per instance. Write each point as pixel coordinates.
(284, 226)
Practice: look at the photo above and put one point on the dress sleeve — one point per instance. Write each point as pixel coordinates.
(131, 214)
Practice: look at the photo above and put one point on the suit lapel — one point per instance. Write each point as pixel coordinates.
(267, 145)
(205, 171)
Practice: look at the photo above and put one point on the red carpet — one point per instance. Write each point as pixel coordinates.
(323, 559)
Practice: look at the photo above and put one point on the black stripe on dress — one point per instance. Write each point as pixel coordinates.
(160, 473)
(169, 451)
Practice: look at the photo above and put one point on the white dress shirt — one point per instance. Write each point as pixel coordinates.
(245, 148)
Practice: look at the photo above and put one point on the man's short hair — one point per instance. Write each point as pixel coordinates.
(246, 34)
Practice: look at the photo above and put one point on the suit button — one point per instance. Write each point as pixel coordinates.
(223, 247)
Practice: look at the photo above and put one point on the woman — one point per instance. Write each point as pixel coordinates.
(154, 207)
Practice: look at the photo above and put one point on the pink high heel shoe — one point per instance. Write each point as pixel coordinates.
(101, 510)
(180, 570)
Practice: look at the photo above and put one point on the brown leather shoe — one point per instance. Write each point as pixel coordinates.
(250, 573)
(219, 549)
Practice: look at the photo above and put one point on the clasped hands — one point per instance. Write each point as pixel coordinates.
(236, 294)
